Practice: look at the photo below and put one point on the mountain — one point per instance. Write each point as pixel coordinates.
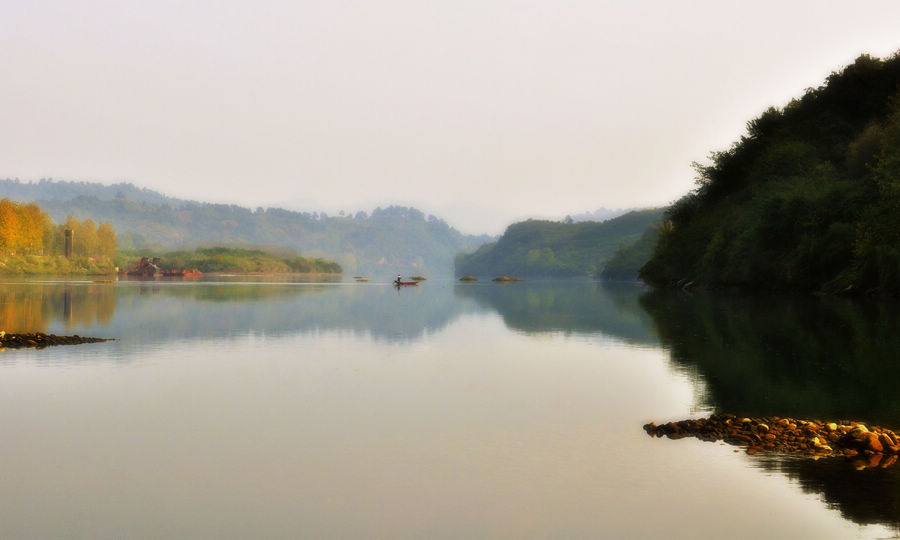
(537, 248)
(626, 262)
(386, 242)
(808, 200)
(49, 190)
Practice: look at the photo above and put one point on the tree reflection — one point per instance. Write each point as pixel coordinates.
(585, 307)
(826, 358)
(34, 307)
(799, 357)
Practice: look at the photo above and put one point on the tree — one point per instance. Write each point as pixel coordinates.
(9, 226)
(106, 241)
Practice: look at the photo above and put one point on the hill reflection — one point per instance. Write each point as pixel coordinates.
(154, 311)
(799, 357)
(867, 497)
(825, 358)
(579, 307)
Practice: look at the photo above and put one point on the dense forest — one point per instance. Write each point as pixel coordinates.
(807, 200)
(537, 248)
(626, 262)
(388, 241)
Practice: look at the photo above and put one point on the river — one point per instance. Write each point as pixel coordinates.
(271, 409)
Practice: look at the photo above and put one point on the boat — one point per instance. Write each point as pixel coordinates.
(145, 268)
(398, 283)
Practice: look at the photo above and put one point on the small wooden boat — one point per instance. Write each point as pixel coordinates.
(404, 283)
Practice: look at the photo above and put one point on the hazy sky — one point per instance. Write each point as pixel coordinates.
(481, 112)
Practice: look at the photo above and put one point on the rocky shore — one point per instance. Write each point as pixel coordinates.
(866, 446)
(39, 340)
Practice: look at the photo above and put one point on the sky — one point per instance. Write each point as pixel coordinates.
(479, 112)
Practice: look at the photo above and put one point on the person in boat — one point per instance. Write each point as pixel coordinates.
(397, 281)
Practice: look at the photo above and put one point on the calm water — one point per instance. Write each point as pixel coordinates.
(336, 410)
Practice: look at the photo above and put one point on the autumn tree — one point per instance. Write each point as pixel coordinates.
(9, 226)
(106, 240)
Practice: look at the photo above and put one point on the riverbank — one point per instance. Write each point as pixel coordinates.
(226, 260)
(45, 265)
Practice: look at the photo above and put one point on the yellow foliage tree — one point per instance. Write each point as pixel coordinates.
(26, 229)
(9, 226)
(106, 241)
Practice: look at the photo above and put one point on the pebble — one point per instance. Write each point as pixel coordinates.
(852, 440)
(39, 340)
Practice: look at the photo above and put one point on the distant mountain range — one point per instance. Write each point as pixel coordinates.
(384, 243)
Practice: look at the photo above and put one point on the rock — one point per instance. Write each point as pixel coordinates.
(39, 340)
(813, 438)
(873, 442)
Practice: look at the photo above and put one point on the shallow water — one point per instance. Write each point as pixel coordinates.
(345, 410)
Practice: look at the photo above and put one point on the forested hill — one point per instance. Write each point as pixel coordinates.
(537, 248)
(386, 242)
(808, 199)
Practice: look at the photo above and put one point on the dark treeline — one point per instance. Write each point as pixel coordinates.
(808, 199)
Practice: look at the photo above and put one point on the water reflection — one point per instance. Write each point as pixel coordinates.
(583, 307)
(159, 311)
(869, 496)
(800, 357)
(34, 307)
(827, 358)
(808, 358)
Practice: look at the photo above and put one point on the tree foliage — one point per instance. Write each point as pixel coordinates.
(806, 200)
(225, 259)
(25, 229)
(537, 248)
